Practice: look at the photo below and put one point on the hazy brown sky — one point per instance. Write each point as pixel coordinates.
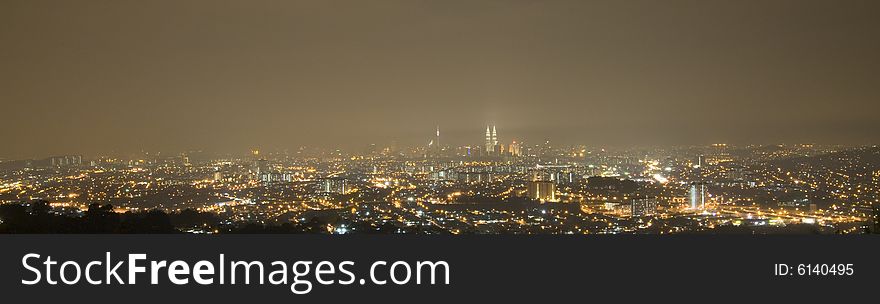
(92, 76)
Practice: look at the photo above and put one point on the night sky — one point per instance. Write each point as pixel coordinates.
(125, 76)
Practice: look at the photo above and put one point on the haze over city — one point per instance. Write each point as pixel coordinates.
(92, 77)
(440, 117)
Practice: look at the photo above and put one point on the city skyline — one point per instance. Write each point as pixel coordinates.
(94, 76)
(491, 189)
(428, 145)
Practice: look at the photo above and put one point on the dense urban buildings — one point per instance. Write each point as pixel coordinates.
(527, 188)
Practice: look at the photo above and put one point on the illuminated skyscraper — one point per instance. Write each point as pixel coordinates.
(434, 147)
(698, 195)
(494, 136)
(489, 145)
(491, 140)
(515, 149)
(437, 139)
(335, 185)
(542, 190)
(698, 187)
(698, 168)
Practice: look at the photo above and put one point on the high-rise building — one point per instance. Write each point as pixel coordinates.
(335, 185)
(489, 145)
(698, 169)
(262, 170)
(542, 190)
(275, 177)
(515, 149)
(67, 160)
(494, 136)
(437, 140)
(434, 148)
(698, 195)
(262, 166)
(644, 207)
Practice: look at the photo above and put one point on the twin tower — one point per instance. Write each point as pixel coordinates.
(491, 139)
(492, 145)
